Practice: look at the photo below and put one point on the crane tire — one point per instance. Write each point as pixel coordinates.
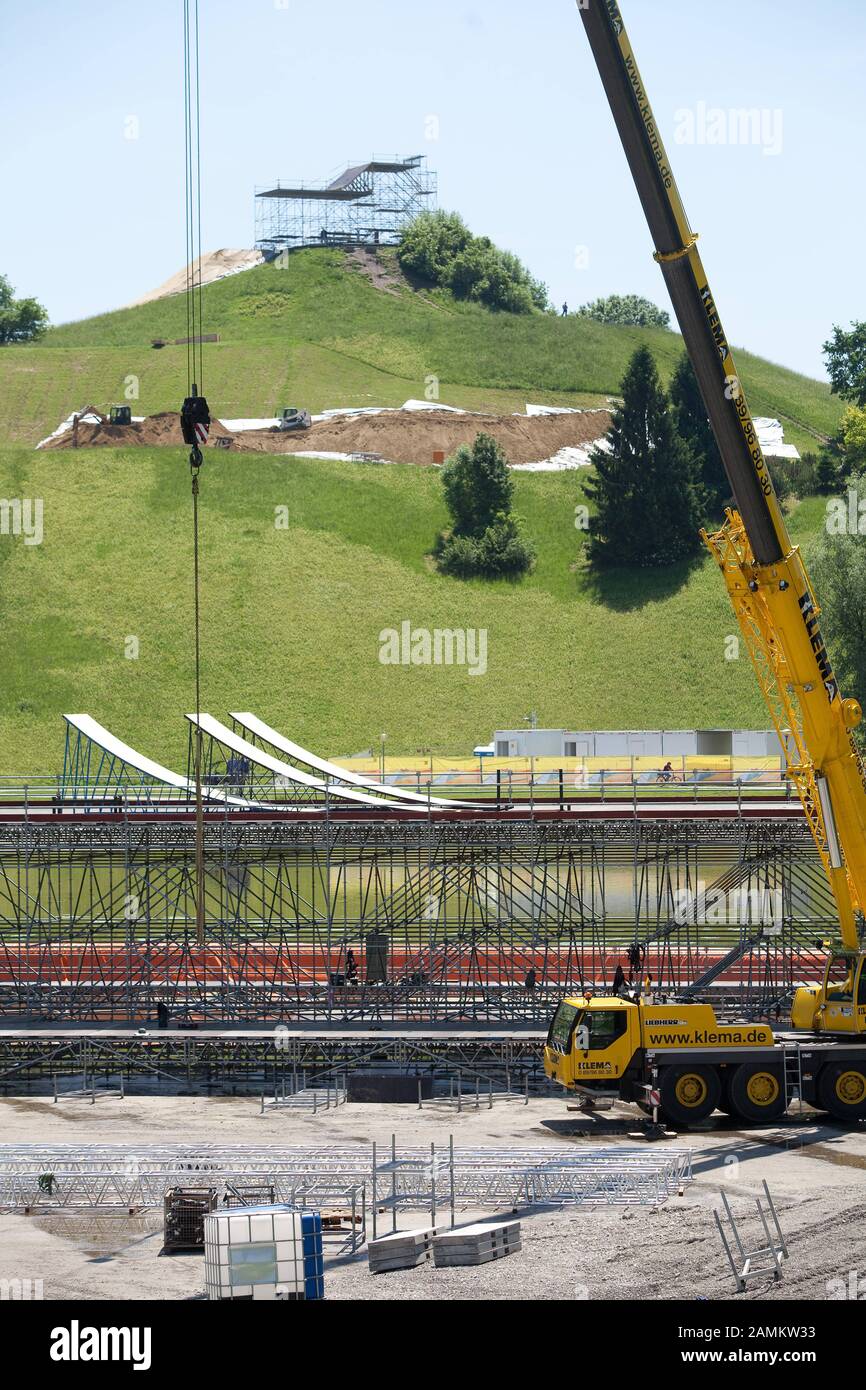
(842, 1090)
(689, 1094)
(758, 1092)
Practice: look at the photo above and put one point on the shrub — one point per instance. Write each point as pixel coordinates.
(485, 539)
(794, 477)
(629, 309)
(438, 248)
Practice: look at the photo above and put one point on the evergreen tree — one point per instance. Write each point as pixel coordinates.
(478, 487)
(645, 492)
(485, 539)
(695, 430)
(830, 466)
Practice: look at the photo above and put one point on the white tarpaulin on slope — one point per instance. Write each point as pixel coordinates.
(566, 409)
(391, 409)
(572, 456)
(771, 437)
(331, 454)
(238, 426)
(771, 433)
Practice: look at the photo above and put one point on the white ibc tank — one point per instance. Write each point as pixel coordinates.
(263, 1252)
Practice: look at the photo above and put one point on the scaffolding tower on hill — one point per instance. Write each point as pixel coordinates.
(366, 205)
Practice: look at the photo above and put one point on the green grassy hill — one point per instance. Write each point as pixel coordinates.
(319, 333)
(292, 617)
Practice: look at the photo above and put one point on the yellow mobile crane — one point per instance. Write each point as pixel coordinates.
(678, 1052)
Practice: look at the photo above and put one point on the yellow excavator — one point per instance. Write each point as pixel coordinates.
(677, 1057)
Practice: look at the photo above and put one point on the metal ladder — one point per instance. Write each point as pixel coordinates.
(764, 1260)
(793, 1077)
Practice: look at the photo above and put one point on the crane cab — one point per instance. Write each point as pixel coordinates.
(839, 1004)
(591, 1042)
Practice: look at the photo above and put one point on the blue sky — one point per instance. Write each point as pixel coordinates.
(526, 148)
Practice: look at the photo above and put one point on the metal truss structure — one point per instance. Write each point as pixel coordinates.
(463, 920)
(37, 1178)
(366, 204)
(105, 1061)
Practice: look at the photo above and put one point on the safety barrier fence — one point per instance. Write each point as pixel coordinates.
(40, 795)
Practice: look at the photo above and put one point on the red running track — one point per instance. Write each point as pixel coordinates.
(116, 965)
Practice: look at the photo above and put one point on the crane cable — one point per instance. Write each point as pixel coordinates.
(194, 415)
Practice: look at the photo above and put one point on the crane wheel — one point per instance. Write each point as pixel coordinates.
(842, 1091)
(689, 1094)
(757, 1092)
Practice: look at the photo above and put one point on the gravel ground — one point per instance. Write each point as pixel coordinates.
(815, 1172)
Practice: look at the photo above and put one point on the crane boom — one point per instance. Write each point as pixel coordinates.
(765, 575)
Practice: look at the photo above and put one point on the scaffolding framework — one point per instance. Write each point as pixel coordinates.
(365, 205)
(485, 920)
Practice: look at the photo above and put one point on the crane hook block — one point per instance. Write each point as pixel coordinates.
(195, 421)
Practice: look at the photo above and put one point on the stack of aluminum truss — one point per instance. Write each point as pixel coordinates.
(107, 1176)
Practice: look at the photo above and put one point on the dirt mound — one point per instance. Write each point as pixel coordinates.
(214, 265)
(413, 436)
(155, 429)
(402, 436)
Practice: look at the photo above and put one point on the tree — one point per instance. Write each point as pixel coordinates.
(430, 243)
(838, 570)
(645, 490)
(629, 309)
(478, 486)
(485, 537)
(438, 247)
(694, 429)
(481, 271)
(21, 320)
(845, 355)
(854, 439)
(844, 453)
(828, 470)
